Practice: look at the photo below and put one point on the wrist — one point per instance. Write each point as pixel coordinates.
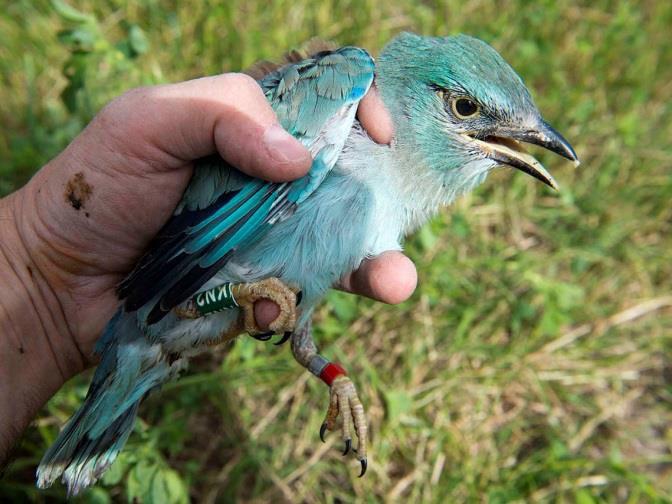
(36, 354)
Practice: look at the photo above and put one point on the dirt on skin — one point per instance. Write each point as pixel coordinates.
(77, 191)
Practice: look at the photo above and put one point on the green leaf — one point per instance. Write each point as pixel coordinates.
(78, 40)
(75, 71)
(426, 238)
(117, 470)
(69, 13)
(168, 487)
(398, 402)
(559, 449)
(138, 484)
(137, 40)
(459, 225)
(96, 495)
(69, 97)
(583, 496)
(462, 331)
(344, 306)
(247, 349)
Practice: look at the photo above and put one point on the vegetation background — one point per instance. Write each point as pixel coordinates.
(534, 361)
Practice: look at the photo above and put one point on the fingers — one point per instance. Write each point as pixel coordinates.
(375, 118)
(226, 113)
(265, 312)
(391, 278)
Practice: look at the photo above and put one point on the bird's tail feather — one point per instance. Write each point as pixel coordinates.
(82, 460)
(92, 438)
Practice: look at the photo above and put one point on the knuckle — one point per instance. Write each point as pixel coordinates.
(132, 97)
(242, 85)
(118, 108)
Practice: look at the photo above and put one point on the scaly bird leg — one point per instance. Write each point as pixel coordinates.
(243, 296)
(344, 403)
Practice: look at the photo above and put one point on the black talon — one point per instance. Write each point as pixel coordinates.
(284, 338)
(348, 444)
(323, 429)
(365, 464)
(263, 336)
(299, 297)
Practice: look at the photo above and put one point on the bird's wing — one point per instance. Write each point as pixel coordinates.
(223, 210)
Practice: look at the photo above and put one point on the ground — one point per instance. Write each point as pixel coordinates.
(534, 361)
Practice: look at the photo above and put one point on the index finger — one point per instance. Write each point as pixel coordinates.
(375, 117)
(389, 277)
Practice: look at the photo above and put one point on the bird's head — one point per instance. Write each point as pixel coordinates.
(462, 109)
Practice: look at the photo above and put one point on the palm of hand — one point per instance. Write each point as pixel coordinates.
(93, 220)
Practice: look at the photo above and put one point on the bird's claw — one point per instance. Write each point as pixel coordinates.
(365, 465)
(272, 289)
(284, 338)
(268, 335)
(344, 408)
(263, 336)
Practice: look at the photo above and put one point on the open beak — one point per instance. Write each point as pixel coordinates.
(504, 146)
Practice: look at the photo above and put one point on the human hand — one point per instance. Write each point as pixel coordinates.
(86, 218)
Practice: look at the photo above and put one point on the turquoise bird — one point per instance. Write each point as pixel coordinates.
(459, 111)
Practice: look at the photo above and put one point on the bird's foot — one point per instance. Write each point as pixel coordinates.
(344, 408)
(187, 310)
(244, 296)
(272, 289)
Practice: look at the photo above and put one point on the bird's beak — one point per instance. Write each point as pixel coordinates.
(504, 146)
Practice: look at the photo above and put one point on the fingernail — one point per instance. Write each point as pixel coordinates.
(282, 146)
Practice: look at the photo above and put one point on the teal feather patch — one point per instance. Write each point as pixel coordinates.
(315, 100)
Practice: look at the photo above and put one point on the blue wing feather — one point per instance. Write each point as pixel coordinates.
(224, 210)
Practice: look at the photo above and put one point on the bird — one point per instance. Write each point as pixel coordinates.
(459, 111)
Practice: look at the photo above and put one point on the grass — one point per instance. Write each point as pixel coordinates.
(534, 361)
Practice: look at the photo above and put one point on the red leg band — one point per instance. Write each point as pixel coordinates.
(330, 372)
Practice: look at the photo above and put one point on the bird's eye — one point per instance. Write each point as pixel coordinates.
(464, 108)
